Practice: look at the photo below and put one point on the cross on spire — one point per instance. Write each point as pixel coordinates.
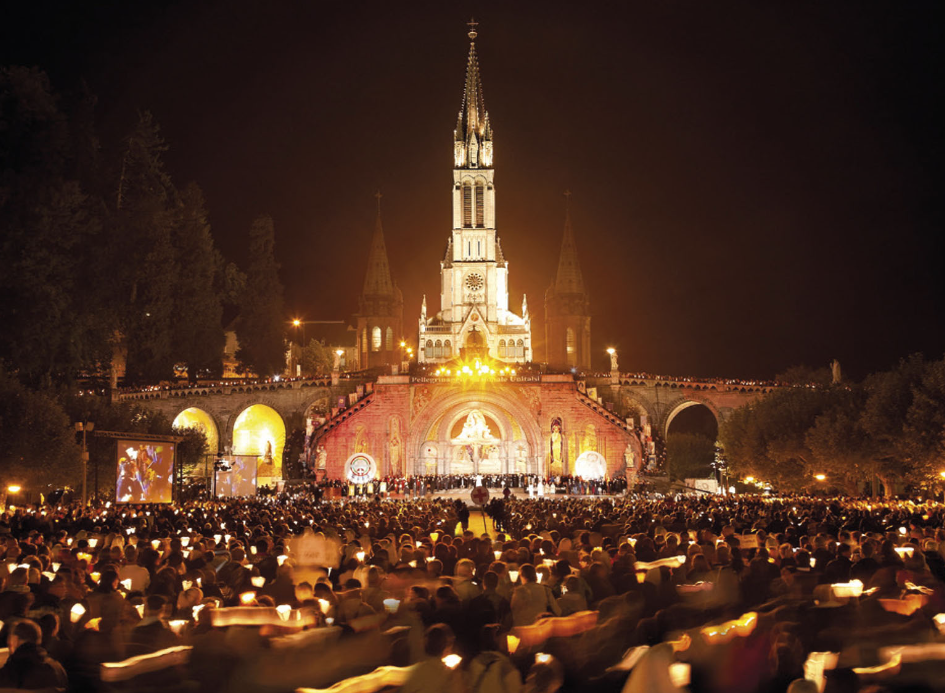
(472, 24)
(378, 195)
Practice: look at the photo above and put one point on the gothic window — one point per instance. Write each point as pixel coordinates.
(389, 342)
(364, 340)
(480, 210)
(570, 347)
(501, 348)
(438, 350)
(429, 349)
(376, 339)
(467, 205)
(447, 351)
(521, 349)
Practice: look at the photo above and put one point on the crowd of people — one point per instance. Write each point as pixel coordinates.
(83, 586)
(420, 486)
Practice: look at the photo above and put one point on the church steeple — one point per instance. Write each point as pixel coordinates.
(474, 315)
(567, 308)
(569, 279)
(472, 138)
(380, 307)
(377, 281)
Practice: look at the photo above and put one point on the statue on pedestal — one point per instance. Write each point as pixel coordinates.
(835, 372)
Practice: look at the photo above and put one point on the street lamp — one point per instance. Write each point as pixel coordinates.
(84, 428)
(299, 323)
(820, 477)
(14, 489)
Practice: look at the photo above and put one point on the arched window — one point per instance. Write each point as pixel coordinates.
(501, 348)
(520, 350)
(467, 205)
(570, 347)
(376, 339)
(480, 209)
(447, 351)
(389, 342)
(438, 349)
(364, 340)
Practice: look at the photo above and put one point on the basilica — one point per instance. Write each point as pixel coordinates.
(474, 319)
(474, 408)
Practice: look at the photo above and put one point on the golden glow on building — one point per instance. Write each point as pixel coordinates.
(203, 422)
(260, 431)
(477, 370)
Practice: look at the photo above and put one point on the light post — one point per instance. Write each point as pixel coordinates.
(298, 323)
(84, 428)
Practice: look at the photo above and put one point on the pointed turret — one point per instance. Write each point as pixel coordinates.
(377, 281)
(569, 279)
(381, 306)
(567, 308)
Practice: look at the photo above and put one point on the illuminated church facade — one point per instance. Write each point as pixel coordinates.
(506, 421)
(474, 319)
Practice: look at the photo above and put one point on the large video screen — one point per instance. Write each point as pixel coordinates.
(145, 472)
(238, 478)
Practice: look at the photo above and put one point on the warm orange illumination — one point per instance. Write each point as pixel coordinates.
(14, 488)
(820, 477)
(203, 422)
(452, 660)
(296, 322)
(260, 432)
(846, 590)
(247, 598)
(77, 612)
(511, 643)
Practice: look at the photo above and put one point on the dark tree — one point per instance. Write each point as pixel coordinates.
(198, 329)
(145, 260)
(50, 312)
(261, 327)
(689, 455)
(37, 444)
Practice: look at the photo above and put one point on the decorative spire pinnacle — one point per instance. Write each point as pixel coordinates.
(473, 135)
(377, 281)
(569, 279)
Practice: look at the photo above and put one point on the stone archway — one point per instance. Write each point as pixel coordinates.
(676, 407)
(259, 430)
(447, 412)
(202, 420)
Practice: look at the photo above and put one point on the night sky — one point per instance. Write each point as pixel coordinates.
(755, 185)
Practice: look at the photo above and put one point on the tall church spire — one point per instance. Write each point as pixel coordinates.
(380, 315)
(472, 138)
(474, 316)
(567, 308)
(569, 279)
(377, 281)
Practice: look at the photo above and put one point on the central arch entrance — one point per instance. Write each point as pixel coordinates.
(475, 432)
(475, 447)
